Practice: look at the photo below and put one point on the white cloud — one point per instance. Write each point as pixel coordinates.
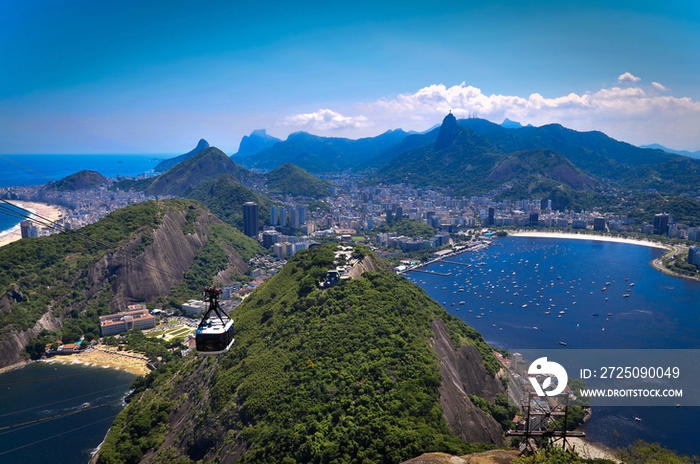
(660, 87)
(326, 120)
(628, 78)
(634, 114)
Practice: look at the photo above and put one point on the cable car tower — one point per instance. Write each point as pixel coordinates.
(541, 415)
(215, 331)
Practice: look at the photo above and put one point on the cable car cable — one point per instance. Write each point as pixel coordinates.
(56, 416)
(60, 401)
(72, 430)
(25, 167)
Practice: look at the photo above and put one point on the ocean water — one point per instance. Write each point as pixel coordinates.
(57, 167)
(551, 275)
(10, 216)
(56, 391)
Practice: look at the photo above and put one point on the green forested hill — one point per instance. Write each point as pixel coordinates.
(80, 180)
(206, 165)
(225, 197)
(409, 227)
(343, 375)
(289, 179)
(169, 163)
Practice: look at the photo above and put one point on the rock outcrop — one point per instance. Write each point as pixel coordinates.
(13, 344)
(487, 457)
(463, 373)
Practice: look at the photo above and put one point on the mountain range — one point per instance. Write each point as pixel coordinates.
(474, 163)
(475, 156)
(254, 143)
(212, 178)
(656, 146)
(321, 154)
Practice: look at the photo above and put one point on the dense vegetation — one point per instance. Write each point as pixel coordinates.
(638, 452)
(343, 375)
(413, 228)
(499, 409)
(643, 207)
(562, 195)
(143, 424)
(641, 452)
(289, 179)
(225, 197)
(679, 264)
(211, 259)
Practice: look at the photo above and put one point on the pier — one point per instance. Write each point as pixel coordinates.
(458, 264)
(427, 272)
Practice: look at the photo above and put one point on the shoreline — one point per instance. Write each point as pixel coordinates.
(107, 358)
(655, 263)
(46, 210)
(585, 236)
(12, 367)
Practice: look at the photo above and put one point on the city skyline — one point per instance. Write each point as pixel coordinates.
(157, 77)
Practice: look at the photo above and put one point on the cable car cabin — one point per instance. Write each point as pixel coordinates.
(332, 278)
(215, 333)
(214, 337)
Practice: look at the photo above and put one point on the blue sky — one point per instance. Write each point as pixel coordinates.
(155, 77)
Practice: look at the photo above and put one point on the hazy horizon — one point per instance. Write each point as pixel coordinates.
(155, 77)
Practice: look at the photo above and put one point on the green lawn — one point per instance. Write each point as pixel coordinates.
(181, 331)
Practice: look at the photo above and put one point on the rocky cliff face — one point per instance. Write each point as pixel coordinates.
(463, 373)
(162, 265)
(12, 345)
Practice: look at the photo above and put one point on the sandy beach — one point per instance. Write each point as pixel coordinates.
(108, 356)
(601, 238)
(589, 450)
(45, 210)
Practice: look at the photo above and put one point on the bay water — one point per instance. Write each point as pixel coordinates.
(533, 293)
(55, 412)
